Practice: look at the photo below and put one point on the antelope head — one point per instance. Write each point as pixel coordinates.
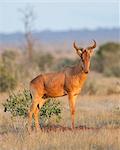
(85, 55)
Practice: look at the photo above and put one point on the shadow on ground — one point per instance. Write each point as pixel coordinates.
(62, 128)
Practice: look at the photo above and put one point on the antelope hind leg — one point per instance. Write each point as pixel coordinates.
(36, 112)
(36, 117)
(30, 114)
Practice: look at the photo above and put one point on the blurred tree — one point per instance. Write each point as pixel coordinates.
(8, 71)
(44, 61)
(28, 21)
(65, 62)
(9, 61)
(107, 59)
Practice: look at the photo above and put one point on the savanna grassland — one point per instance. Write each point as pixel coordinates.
(97, 126)
(97, 117)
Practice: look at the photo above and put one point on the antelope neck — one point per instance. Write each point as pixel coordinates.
(82, 65)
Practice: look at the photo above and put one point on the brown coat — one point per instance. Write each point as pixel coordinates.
(60, 83)
(67, 82)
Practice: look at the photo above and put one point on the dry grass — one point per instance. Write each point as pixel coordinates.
(103, 139)
(97, 84)
(100, 114)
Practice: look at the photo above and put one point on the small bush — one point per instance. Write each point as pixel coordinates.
(8, 71)
(19, 104)
(44, 61)
(107, 59)
(51, 108)
(7, 80)
(65, 62)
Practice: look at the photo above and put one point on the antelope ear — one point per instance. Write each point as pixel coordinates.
(79, 52)
(91, 51)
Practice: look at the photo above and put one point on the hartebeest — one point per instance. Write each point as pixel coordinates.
(67, 82)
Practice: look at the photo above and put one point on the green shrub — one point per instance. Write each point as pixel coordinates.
(107, 59)
(8, 71)
(19, 104)
(44, 61)
(51, 108)
(7, 80)
(65, 62)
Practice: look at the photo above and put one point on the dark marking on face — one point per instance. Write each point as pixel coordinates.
(85, 56)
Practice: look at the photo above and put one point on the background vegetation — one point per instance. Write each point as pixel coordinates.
(15, 66)
(97, 118)
(107, 59)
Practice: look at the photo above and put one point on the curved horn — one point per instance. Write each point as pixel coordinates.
(74, 45)
(92, 47)
(78, 49)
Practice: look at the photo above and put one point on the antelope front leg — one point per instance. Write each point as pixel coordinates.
(72, 99)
